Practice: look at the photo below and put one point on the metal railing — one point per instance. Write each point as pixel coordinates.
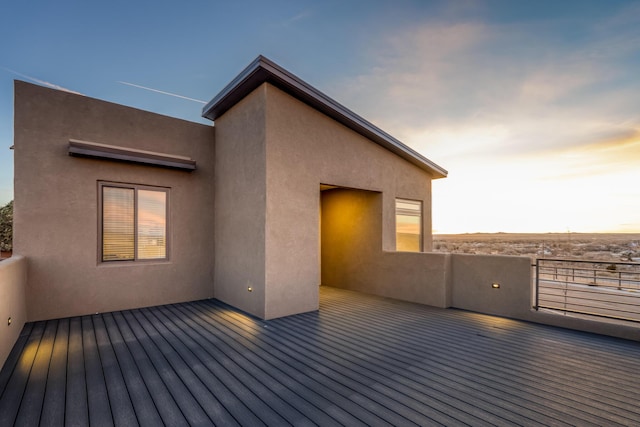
(596, 288)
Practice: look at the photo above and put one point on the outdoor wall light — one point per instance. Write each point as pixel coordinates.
(495, 285)
(9, 320)
(250, 289)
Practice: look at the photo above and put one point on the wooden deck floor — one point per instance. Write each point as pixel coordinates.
(360, 360)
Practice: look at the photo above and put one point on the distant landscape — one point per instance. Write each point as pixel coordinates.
(596, 246)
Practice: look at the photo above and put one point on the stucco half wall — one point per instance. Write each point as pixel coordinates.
(13, 306)
(472, 277)
(352, 255)
(56, 204)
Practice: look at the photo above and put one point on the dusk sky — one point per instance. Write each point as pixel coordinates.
(532, 106)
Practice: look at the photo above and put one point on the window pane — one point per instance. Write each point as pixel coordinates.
(117, 224)
(152, 224)
(408, 225)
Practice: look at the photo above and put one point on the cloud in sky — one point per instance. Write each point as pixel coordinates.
(437, 77)
(300, 16)
(617, 152)
(532, 112)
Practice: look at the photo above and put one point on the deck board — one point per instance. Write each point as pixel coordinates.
(312, 395)
(274, 387)
(55, 393)
(120, 400)
(31, 404)
(210, 390)
(434, 355)
(15, 355)
(495, 361)
(18, 381)
(146, 412)
(290, 371)
(329, 362)
(77, 409)
(411, 390)
(170, 368)
(243, 393)
(359, 360)
(164, 402)
(97, 395)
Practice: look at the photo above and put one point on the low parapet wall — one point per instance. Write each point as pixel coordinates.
(491, 284)
(503, 286)
(13, 307)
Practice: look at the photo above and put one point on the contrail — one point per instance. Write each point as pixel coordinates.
(42, 82)
(163, 92)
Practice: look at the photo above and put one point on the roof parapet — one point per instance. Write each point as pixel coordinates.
(263, 70)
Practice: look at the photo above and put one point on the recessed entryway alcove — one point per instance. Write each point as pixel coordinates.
(350, 236)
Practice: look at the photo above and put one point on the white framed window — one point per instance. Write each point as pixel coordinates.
(408, 225)
(133, 222)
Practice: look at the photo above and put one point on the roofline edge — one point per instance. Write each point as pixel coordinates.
(262, 70)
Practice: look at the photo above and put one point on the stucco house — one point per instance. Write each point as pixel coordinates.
(117, 208)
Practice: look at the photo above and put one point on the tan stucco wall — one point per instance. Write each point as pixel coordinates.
(13, 281)
(272, 154)
(472, 278)
(240, 204)
(352, 255)
(305, 148)
(56, 217)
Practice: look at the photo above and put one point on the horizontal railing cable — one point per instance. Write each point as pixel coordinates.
(594, 288)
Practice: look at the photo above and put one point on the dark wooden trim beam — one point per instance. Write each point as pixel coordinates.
(111, 152)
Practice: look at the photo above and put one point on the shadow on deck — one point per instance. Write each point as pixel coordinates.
(360, 360)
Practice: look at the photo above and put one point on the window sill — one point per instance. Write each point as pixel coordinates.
(113, 264)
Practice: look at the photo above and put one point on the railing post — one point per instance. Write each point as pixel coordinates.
(619, 280)
(537, 283)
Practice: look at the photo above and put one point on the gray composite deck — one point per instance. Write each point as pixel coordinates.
(360, 360)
